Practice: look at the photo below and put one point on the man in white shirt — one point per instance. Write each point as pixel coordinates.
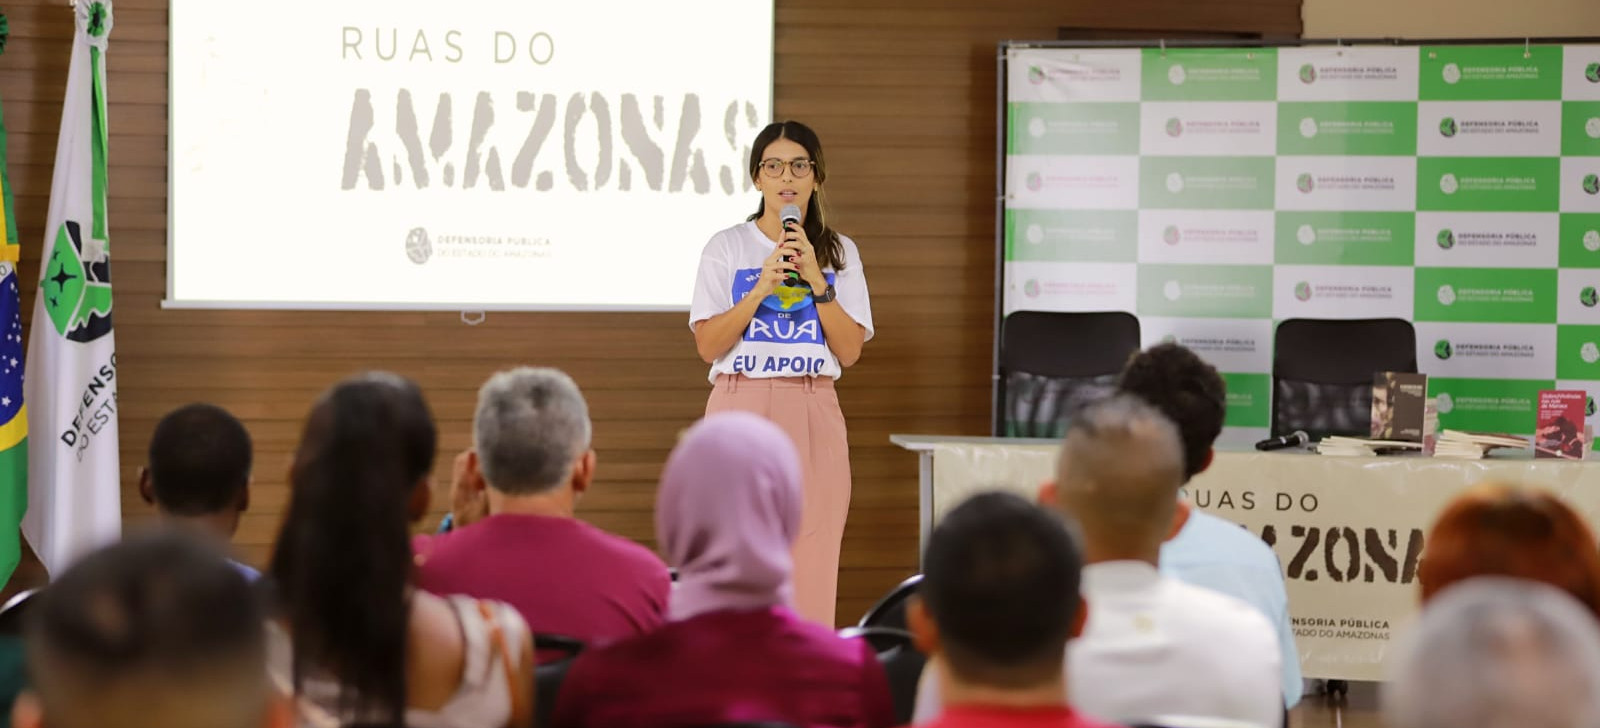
(1153, 647)
(1209, 551)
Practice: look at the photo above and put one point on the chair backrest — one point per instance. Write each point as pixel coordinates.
(1322, 372)
(890, 611)
(549, 674)
(1048, 359)
(902, 664)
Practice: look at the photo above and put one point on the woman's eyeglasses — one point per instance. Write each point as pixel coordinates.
(774, 167)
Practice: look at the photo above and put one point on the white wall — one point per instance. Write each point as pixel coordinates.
(1450, 18)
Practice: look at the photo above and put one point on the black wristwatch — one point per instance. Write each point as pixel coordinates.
(825, 297)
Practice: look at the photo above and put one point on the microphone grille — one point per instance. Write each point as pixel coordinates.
(789, 212)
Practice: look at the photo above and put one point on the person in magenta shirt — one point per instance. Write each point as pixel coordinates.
(998, 602)
(727, 515)
(530, 464)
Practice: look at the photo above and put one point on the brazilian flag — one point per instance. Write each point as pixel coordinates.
(13, 416)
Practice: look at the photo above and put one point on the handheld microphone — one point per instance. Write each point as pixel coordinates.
(790, 215)
(1293, 439)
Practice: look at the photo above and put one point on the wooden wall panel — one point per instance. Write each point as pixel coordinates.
(902, 93)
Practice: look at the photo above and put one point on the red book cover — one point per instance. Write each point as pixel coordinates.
(1560, 429)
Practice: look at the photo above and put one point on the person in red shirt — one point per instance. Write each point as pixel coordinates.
(728, 514)
(998, 602)
(531, 463)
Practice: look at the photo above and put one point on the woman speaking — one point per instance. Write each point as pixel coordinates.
(780, 308)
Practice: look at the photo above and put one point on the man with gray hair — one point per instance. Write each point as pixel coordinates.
(1494, 652)
(531, 462)
(1153, 647)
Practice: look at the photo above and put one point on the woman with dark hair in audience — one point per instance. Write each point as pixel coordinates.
(727, 515)
(362, 645)
(1500, 529)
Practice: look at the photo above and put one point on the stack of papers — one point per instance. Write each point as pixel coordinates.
(1339, 446)
(1473, 445)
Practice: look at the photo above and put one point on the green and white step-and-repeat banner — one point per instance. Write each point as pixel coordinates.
(1214, 192)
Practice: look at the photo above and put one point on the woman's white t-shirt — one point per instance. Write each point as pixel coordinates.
(784, 338)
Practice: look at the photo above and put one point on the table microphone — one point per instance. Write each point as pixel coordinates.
(1293, 439)
(790, 215)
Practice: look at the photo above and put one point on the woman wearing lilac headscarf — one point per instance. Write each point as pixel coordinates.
(727, 516)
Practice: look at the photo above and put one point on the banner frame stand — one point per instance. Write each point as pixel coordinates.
(996, 406)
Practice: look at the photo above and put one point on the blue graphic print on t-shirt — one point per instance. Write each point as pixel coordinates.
(786, 316)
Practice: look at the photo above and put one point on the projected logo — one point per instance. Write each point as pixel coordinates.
(1036, 75)
(1448, 184)
(418, 248)
(1174, 127)
(77, 285)
(1591, 184)
(1305, 183)
(1447, 127)
(1308, 74)
(1451, 73)
(1591, 241)
(1171, 236)
(1591, 72)
(1306, 234)
(1442, 349)
(1446, 239)
(1031, 288)
(1591, 127)
(1588, 297)
(1302, 291)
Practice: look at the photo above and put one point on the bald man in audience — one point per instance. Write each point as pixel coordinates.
(1153, 646)
(1495, 652)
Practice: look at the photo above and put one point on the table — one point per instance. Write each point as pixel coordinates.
(1348, 531)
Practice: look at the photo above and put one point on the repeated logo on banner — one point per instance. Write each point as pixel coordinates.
(1216, 192)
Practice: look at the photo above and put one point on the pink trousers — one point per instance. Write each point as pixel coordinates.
(808, 409)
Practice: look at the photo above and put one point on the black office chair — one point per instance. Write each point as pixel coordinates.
(890, 611)
(1322, 372)
(902, 664)
(1049, 361)
(549, 674)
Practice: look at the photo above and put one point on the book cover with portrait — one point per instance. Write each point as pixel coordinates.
(1399, 406)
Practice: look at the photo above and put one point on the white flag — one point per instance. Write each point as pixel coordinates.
(74, 501)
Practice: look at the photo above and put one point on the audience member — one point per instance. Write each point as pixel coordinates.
(727, 515)
(155, 631)
(367, 647)
(198, 472)
(1499, 529)
(531, 463)
(998, 602)
(1209, 551)
(1153, 646)
(1493, 652)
